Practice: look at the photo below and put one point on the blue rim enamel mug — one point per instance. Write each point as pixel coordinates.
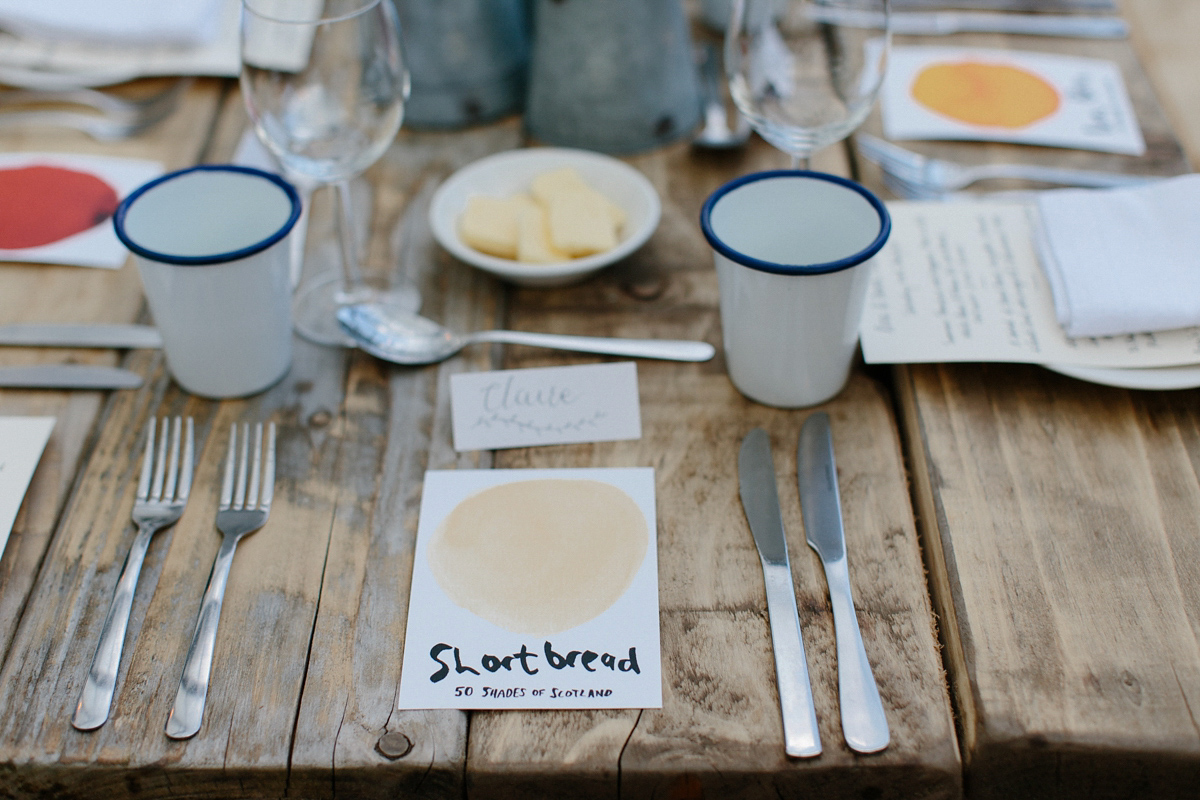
(210, 244)
(793, 252)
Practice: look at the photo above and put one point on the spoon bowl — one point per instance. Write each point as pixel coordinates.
(412, 340)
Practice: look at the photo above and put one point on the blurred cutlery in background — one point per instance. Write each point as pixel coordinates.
(68, 376)
(716, 133)
(915, 176)
(29, 334)
(935, 23)
(115, 118)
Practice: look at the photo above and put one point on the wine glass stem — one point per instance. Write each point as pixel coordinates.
(799, 162)
(351, 272)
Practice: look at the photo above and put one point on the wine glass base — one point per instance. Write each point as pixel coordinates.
(314, 312)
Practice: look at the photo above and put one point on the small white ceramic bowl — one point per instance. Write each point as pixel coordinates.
(512, 172)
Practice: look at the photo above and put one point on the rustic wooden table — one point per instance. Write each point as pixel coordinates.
(1056, 658)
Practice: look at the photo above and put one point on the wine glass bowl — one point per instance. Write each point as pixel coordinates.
(324, 83)
(802, 77)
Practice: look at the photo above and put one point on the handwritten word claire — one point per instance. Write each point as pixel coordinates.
(503, 396)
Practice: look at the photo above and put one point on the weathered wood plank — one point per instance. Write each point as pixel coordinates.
(48, 293)
(347, 718)
(1066, 517)
(1053, 517)
(1162, 33)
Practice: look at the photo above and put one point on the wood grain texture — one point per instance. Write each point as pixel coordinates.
(1163, 35)
(42, 292)
(1053, 516)
(719, 733)
(1069, 587)
(347, 717)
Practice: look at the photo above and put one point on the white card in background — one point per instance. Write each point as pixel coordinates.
(546, 405)
(22, 440)
(58, 206)
(534, 589)
(1008, 96)
(962, 282)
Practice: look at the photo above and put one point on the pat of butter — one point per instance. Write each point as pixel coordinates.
(565, 179)
(533, 237)
(489, 225)
(580, 225)
(562, 218)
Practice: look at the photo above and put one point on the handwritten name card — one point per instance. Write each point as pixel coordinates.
(548, 405)
(22, 440)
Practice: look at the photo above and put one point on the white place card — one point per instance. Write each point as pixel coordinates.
(962, 282)
(546, 405)
(56, 208)
(1008, 96)
(22, 440)
(534, 589)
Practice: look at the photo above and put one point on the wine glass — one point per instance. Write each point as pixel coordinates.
(324, 83)
(805, 73)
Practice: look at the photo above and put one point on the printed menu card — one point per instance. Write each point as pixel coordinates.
(1008, 96)
(963, 282)
(22, 440)
(534, 589)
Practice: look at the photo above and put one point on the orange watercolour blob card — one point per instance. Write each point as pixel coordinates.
(1000, 95)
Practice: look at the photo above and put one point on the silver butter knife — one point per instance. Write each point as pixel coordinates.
(863, 722)
(80, 335)
(936, 23)
(68, 376)
(760, 499)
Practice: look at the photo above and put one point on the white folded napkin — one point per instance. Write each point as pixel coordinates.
(141, 22)
(1123, 260)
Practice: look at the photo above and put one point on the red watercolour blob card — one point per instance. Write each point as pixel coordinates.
(57, 208)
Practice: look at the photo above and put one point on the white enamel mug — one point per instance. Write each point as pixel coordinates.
(793, 252)
(210, 243)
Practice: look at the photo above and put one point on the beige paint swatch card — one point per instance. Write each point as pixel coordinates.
(534, 589)
(22, 440)
(547, 405)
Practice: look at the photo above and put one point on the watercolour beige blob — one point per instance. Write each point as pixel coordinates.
(538, 557)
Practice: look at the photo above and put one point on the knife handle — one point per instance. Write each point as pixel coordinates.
(863, 722)
(801, 738)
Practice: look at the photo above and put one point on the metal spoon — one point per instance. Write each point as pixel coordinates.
(715, 133)
(417, 340)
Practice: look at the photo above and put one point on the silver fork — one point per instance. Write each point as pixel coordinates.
(111, 105)
(162, 494)
(916, 176)
(118, 119)
(241, 512)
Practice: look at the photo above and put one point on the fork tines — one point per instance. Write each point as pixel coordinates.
(234, 493)
(162, 476)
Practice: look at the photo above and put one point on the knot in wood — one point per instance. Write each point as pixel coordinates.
(394, 745)
(646, 287)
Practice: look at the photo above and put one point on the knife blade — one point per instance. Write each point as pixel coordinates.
(68, 376)
(80, 335)
(760, 499)
(864, 724)
(936, 23)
